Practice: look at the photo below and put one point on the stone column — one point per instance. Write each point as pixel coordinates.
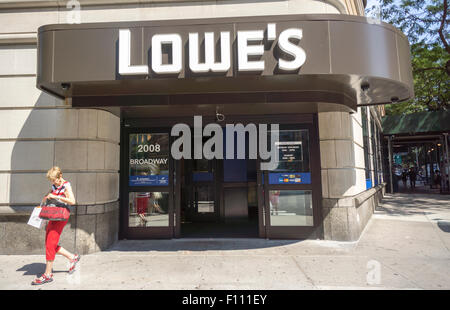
(346, 205)
(37, 132)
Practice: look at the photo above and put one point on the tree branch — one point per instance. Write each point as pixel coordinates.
(423, 20)
(426, 69)
(441, 29)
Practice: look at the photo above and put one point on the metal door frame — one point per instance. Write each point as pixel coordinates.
(126, 232)
(296, 232)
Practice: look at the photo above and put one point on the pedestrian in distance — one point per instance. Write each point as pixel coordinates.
(62, 191)
(437, 178)
(412, 177)
(404, 177)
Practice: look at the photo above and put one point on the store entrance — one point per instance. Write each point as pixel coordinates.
(218, 199)
(163, 196)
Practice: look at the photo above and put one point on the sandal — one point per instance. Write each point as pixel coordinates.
(73, 263)
(43, 279)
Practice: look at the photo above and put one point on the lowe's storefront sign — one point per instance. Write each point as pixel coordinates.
(250, 44)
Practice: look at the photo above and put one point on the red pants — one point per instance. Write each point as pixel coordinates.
(142, 205)
(53, 232)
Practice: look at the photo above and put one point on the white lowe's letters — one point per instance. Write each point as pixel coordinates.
(249, 44)
(124, 55)
(292, 49)
(244, 50)
(177, 53)
(210, 63)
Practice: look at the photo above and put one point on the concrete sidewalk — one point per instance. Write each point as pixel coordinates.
(406, 245)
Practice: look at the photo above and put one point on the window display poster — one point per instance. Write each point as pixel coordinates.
(292, 150)
(289, 150)
(149, 159)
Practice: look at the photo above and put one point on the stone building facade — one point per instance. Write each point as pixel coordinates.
(38, 130)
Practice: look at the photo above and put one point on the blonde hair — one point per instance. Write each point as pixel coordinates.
(54, 173)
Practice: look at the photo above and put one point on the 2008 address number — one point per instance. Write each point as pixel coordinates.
(150, 148)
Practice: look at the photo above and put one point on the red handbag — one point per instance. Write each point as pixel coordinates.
(54, 210)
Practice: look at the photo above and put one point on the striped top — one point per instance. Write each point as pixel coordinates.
(143, 195)
(60, 191)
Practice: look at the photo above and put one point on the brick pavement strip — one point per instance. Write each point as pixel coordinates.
(403, 247)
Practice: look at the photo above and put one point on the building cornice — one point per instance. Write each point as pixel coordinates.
(32, 4)
(18, 38)
(24, 4)
(30, 38)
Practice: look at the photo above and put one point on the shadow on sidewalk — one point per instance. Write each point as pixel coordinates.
(35, 269)
(197, 244)
(401, 204)
(444, 226)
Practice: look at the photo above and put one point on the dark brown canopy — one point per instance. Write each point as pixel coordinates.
(342, 53)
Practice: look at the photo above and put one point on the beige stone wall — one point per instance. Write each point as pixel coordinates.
(342, 155)
(38, 131)
(347, 205)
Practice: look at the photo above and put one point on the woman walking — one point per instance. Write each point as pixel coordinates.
(61, 190)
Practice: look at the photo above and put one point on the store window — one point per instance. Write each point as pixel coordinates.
(380, 157)
(366, 143)
(290, 208)
(373, 140)
(293, 158)
(148, 209)
(372, 149)
(289, 190)
(149, 159)
(378, 173)
(148, 180)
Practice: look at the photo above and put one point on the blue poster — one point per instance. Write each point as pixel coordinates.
(290, 178)
(149, 159)
(149, 180)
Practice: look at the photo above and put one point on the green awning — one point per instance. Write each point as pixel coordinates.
(414, 123)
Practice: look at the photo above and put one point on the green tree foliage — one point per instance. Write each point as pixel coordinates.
(425, 23)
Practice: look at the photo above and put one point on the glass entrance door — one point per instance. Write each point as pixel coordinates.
(157, 199)
(290, 190)
(149, 191)
(200, 192)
